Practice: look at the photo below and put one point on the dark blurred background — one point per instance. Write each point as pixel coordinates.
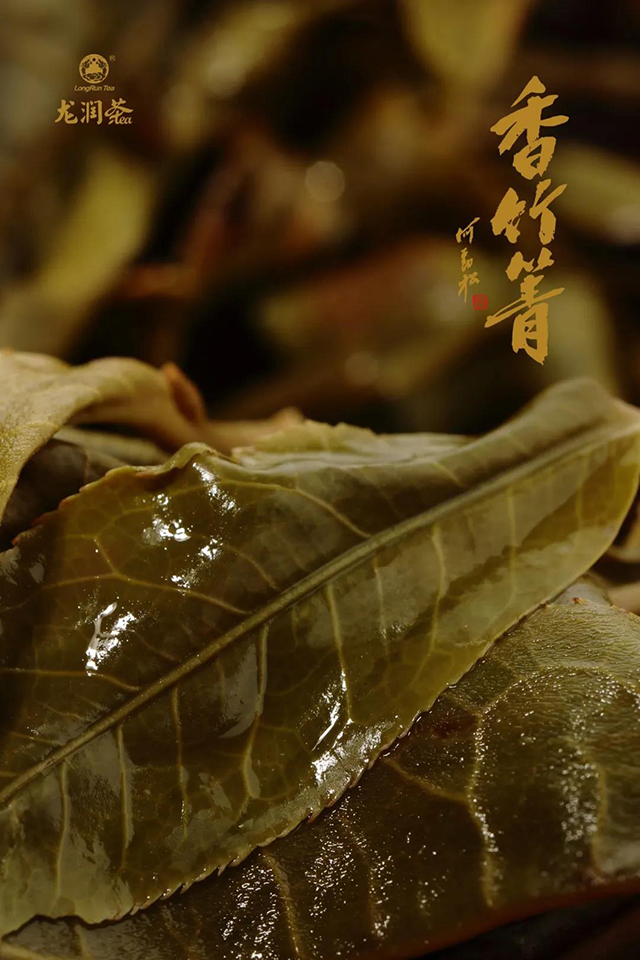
(280, 216)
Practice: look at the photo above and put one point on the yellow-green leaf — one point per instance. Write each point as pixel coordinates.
(196, 657)
(519, 791)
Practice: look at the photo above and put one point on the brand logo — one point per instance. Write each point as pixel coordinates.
(93, 68)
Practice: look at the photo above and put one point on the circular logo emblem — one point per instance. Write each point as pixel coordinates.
(94, 68)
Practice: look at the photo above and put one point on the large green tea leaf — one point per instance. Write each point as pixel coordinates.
(517, 792)
(194, 658)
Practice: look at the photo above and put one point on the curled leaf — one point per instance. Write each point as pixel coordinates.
(42, 394)
(196, 657)
(55, 472)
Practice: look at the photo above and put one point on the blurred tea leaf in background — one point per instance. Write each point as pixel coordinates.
(467, 44)
(280, 217)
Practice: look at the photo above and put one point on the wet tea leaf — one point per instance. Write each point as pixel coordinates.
(196, 657)
(519, 791)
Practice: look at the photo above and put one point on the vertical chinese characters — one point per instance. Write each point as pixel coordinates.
(466, 262)
(531, 310)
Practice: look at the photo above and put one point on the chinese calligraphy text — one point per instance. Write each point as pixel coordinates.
(91, 111)
(469, 277)
(530, 312)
